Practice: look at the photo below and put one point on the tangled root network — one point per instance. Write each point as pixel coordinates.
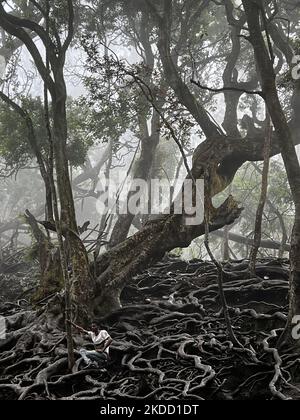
(170, 341)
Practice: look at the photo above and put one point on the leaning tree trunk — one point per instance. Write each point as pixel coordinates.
(222, 157)
(118, 266)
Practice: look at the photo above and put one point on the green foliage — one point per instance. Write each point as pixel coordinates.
(110, 114)
(80, 132)
(14, 145)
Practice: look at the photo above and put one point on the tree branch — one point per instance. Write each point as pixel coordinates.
(18, 31)
(267, 244)
(70, 26)
(210, 129)
(232, 89)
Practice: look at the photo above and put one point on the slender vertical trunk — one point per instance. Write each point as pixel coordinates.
(225, 244)
(264, 59)
(262, 200)
(66, 278)
(55, 211)
(207, 216)
(278, 214)
(142, 171)
(150, 141)
(82, 286)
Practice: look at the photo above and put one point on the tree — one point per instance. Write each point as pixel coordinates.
(262, 200)
(56, 50)
(221, 154)
(255, 13)
(180, 33)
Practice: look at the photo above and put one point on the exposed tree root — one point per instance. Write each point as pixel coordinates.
(170, 341)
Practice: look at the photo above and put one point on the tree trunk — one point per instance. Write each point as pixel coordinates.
(262, 199)
(225, 244)
(149, 141)
(51, 278)
(148, 147)
(255, 13)
(82, 287)
(118, 266)
(284, 246)
(222, 157)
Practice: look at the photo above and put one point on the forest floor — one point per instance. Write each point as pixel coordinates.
(170, 341)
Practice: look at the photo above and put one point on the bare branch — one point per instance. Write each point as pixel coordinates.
(224, 89)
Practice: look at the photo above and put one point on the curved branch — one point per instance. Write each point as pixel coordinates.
(20, 33)
(210, 129)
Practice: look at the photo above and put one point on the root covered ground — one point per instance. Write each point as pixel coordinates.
(170, 341)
